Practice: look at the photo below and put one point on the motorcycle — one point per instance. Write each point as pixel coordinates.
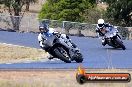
(60, 46)
(114, 39)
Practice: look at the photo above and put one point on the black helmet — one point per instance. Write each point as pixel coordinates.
(43, 27)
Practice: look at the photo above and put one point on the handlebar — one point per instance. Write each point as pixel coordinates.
(57, 34)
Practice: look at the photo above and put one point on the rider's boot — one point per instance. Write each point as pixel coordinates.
(103, 42)
(50, 57)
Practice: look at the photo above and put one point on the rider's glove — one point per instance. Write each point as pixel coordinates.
(54, 33)
(57, 34)
(96, 31)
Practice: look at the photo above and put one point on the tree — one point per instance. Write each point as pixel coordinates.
(1, 1)
(120, 12)
(68, 10)
(15, 10)
(28, 3)
(92, 15)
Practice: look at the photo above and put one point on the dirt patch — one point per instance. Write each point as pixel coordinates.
(12, 53)
(52, 78)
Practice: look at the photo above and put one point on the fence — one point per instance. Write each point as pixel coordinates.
(30, 23)
(26, 23)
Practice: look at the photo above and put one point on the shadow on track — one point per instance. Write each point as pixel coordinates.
(113, 48)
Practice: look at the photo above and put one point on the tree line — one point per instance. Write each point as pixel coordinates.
(118, 12)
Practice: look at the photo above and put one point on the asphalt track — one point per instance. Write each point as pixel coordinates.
(95, 55)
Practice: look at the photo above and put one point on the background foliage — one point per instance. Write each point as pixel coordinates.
(15, 10)
(68, 10)
(119, 12)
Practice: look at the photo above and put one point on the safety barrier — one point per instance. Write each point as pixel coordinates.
(30, 23)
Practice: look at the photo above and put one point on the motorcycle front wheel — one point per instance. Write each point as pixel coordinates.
(79, 58)
(120, 43)
(62, 54)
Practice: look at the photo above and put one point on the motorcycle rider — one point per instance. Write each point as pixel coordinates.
(44, 31)
(45, 34)
(103, 28)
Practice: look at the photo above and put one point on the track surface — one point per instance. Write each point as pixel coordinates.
(95, 55)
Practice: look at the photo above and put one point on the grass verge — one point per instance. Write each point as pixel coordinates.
(52, 78)
(12, 53)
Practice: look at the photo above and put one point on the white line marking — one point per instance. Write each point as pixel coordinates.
(8, 63)
(18, 46)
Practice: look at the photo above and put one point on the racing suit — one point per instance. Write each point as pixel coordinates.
(44, 40)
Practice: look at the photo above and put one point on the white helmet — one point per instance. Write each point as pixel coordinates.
(100, 23)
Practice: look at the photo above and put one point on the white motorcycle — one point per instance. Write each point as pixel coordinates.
(113, 39)
(60, 46)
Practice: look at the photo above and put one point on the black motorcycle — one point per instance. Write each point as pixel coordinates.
(113, 39)
(61, 47)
